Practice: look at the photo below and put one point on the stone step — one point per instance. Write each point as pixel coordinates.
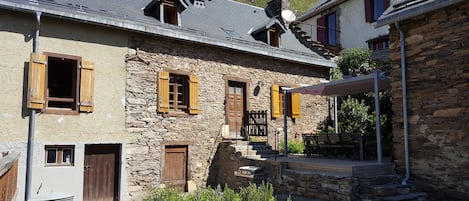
(379, 180)
(406, 197)
(355, 169)
(251, 147)
(261, 153)
(385, 190)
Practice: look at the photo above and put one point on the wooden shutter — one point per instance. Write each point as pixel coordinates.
(86, 86)
(368, 11)
(321, 30)
(295, 105)
(163, 91)
(193, 94)
(36, 81)
(275, 101)
(386, 4)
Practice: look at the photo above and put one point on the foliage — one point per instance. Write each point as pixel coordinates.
(294, 146)
(263, 192)
(353, 116)
(256, 139)
(356, 61)
(163, 194)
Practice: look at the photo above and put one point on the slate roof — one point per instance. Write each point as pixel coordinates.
(222, 23)
(411, 8)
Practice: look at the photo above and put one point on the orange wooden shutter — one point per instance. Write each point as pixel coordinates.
(275, 101)
(193, 94)
(163, 91)
(86, 86)
(295, 105)
(36, 81)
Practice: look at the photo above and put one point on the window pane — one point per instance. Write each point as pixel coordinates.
(378, 8)
(238, 90)
(51, 156)
(67, 156)
(331, 29)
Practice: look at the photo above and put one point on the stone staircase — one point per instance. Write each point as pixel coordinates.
(387, 188)
(254, 150)
(376, 181)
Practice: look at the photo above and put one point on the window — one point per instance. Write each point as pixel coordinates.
(380, 43)
(327, 29)
(293, 103)
(170, 11)
(374, 9)
(177, 93)
(274, 37)
(60, 84)
(60, 155)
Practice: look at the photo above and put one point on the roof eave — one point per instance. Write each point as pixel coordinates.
(391, 17)
(174, 33)
(315, 11)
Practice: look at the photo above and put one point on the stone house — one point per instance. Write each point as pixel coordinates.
(108, 99)
(345, 24)
(430, 74)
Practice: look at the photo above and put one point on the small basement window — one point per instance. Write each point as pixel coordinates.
(62, 155)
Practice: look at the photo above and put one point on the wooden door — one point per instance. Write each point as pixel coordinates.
(235, 106)
(175, 167)
(101, 173)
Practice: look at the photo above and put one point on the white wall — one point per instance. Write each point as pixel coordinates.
(354, 30)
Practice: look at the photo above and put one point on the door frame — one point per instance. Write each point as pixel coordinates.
(117, 149)
(187, 145)
(246, 82)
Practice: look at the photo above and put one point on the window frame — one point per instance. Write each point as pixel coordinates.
(170, 14)
(173, 103)
(324, 33)
(371, 10)
(75, 110)
(59, 155)
(191, 88)
(273, 37)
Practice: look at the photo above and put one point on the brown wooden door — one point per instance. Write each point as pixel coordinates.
(101, 173)
(235, 106)
(175, 167)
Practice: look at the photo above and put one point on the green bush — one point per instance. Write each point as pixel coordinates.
(263, 192)
(294, 147)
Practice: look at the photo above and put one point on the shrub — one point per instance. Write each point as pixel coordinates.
(263, 192)
(294, 147)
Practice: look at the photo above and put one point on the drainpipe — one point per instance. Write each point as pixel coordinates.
(32, 122)
(404, 105)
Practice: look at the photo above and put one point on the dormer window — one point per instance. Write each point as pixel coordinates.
(166, 11)
(170, 11)
(269, 32)
(274, 37)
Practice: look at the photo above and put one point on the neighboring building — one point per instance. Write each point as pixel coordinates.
(436, 59)
(345, 24)
(135, 94)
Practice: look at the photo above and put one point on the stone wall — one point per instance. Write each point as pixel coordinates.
(311, 185)
(437, 90)
(202, 132)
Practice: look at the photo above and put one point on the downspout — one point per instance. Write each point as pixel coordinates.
(404, 105)
(32, 122)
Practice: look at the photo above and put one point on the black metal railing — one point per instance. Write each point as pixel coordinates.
(256, 124)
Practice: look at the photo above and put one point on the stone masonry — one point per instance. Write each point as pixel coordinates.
(437, 57)
(151, 131)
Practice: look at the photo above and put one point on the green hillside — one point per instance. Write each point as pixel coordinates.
(300, 6)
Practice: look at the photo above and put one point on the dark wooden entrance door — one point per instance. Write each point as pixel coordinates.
(175, 167)
(235, 106)
(101, 172)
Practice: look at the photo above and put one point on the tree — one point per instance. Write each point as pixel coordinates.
(356, 61)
